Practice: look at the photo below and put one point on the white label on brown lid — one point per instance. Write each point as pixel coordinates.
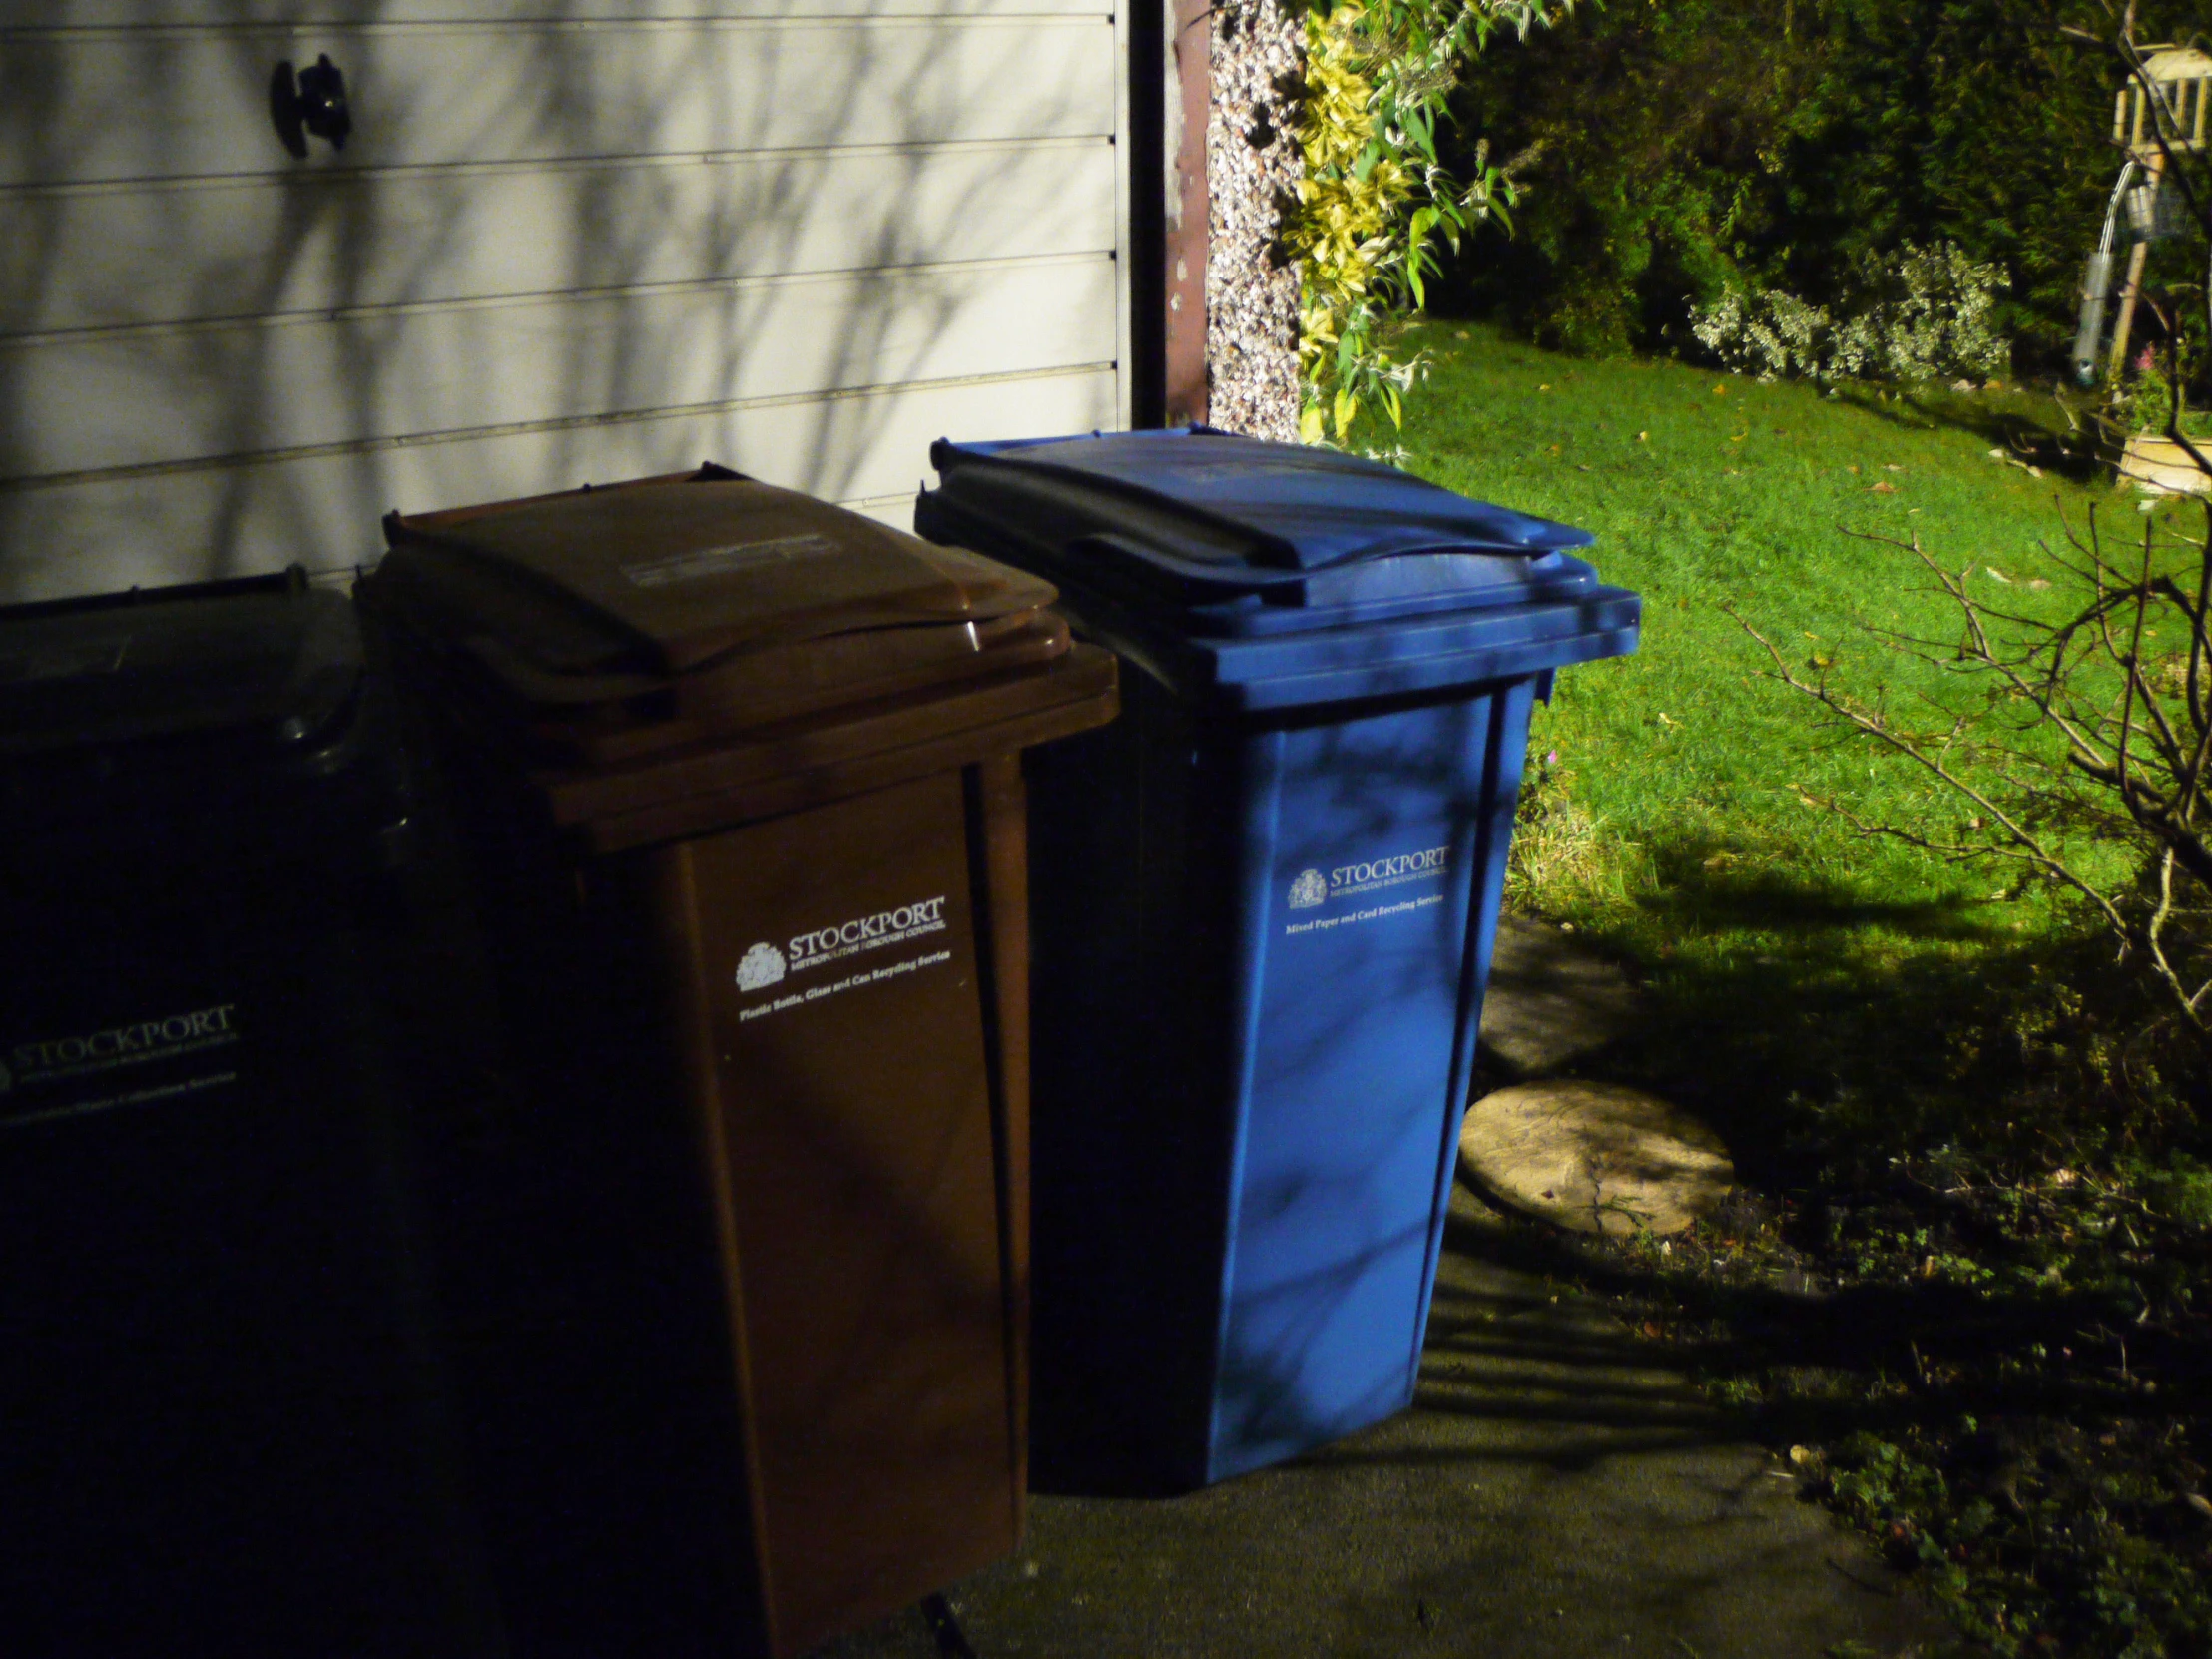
(698, 565)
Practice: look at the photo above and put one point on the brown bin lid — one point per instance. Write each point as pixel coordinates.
(639, 614)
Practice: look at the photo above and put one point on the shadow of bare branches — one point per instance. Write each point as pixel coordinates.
(578, 242)
(1896, 1081)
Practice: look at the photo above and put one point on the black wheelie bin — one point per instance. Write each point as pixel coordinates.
(224, 1423)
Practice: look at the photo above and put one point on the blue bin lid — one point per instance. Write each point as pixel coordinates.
(1265, 575)
(1244, 536)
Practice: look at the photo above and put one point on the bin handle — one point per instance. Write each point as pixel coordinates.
(1242, 577)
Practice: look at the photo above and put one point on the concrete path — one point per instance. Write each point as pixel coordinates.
(1556, 1492)
(1553, 1493)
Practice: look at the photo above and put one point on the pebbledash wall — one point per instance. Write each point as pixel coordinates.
(1252, 168)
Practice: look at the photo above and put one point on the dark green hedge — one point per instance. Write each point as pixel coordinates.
(1786, 142)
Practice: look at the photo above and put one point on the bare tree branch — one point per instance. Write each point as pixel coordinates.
(2082, 736)
(2024, 841)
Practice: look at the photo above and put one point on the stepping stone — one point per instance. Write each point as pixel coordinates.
(1552, 997)
(1594, 1157)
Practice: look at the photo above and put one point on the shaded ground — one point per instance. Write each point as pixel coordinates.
(1551, 1000)
(1562, 1488)
(1965, 1274)
(1553, 1492)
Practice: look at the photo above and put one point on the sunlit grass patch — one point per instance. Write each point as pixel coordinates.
(1713, 494)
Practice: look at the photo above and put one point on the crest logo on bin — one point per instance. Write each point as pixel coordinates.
(1309, 891)
(761, 967)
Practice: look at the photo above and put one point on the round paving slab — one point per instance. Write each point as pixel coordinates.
(1596, 1157)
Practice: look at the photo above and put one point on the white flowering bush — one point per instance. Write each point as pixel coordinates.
(1775, 336)
(1927, 316)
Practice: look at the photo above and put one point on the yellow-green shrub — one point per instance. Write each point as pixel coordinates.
(1374, 196)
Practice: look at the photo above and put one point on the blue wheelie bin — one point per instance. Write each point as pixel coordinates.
(1263, 903)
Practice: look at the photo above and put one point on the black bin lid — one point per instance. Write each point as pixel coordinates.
(264, 666)
(215, 724)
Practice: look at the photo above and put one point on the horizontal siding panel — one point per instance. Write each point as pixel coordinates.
(99, 403)
(322, 511)
(165, 104)
(153, 255)
(48, 15)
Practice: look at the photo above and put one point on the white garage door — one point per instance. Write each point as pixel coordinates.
(565, 241)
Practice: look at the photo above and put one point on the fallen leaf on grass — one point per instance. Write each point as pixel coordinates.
(1854, 471)
(1544, 387)
(1996, 575)
(1884, 487)
(1891, 466)
(1667, 720)
(1720, 391)
(1643, 438)
(2038, 584)
(1579, 467)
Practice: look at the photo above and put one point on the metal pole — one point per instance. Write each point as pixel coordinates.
(2155, 167)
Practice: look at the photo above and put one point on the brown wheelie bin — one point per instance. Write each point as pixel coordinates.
(735, 1176)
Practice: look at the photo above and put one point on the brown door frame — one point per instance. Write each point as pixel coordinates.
(1170, 101)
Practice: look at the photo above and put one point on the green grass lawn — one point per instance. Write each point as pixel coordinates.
(1966, 1278)
(1839, 964)
(1708, 491)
